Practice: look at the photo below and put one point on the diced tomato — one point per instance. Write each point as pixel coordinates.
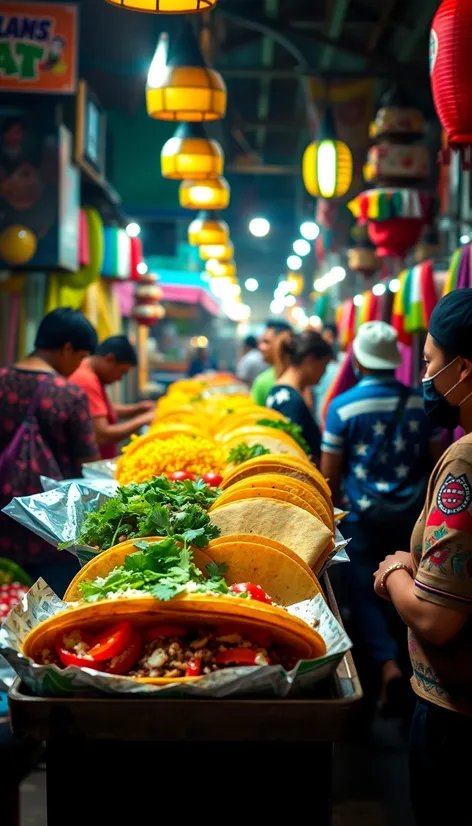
(254, 591)
(111, 642)
(181, 476)
(238, 656)
(194, 668)
(124, 662)
(213, 479)
(158, 631)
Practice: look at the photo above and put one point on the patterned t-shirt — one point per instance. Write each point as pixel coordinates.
(66, 428)
(442, 550)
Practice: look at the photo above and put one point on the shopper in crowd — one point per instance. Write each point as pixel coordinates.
(431, 587)
(377, 451)
(306, 357)
(330, 335)
(251, 364)
(266, 380)
(112, 361)
(56, 439)
(201, 362)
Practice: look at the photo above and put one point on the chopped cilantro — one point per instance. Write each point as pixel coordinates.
(244, 452)
(293, 430)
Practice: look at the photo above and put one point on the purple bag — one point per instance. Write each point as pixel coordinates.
(27, 457)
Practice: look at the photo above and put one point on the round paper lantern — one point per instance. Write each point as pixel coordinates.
(180, 86)
(327, 163)
(449, 53)
(211, 194)
(363, 260)
(148, 293)
(395, 236)
(217, 252)
(208, 229)
(220, 269)
(148, 314)
(191, 154)
(17, 245)
(165, 6)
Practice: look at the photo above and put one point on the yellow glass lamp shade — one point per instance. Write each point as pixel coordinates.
(180, 86)
(327, 169)
(191, 154)
(221, 269)
(295, 283)
(211, 194)
(17, 245)
(207, 229)
(217, 252)
(165, 6)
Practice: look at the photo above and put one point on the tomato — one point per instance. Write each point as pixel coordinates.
(111, 642)
(194, 668)
(181, 476)
(124, 662)
(254, 591)
(66, 647)
(213, 479)
(240, 656)
(158, 631)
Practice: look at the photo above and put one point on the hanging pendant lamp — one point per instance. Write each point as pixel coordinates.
(211, 194)
(165, 6)
(221, 269)
(327, 163)
(206, 229)
(191, 154)
(217, 252)
(180, 86)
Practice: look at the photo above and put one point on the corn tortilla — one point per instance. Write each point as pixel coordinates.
(223, 541)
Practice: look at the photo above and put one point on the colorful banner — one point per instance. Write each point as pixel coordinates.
(38, 47)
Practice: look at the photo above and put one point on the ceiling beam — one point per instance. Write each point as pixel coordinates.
(287, 125)
(423, 21)
(262, 169)
(296, 74)
(337, 16)
(381, 25)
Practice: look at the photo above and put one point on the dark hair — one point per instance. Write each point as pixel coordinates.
(308, 343)
(331, 328)
(251, 342)
(66, 326)
(278, 326)
(120, 347)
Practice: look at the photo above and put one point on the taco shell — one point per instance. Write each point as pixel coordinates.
(261, 491)
(266, 543)
(189, 610)
(106, 561)
(294, 527)
(283, 464)
(310, 496)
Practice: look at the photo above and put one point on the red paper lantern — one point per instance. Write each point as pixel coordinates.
(449, 53)
(394, 237)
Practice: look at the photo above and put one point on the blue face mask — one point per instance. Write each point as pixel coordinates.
(436, 406)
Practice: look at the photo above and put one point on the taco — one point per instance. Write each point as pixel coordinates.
(264, 492)
(286, 465)
(310, 496)
(178, 641)
(295, 527)
(106, 562)
(279, 571)
(247, 418)
(259, 433)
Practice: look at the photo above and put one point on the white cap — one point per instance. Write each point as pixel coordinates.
(376, 346)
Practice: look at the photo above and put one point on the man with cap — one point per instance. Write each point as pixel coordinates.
(378, 448)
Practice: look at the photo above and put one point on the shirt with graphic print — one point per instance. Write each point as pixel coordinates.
(356, 425)
(442, 550)
(290, 403)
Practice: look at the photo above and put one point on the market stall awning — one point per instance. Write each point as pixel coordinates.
(187, 288)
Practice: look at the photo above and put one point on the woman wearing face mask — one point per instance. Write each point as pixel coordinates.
(431, 587)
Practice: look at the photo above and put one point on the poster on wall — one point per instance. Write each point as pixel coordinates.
(38, 47)
(37, 193)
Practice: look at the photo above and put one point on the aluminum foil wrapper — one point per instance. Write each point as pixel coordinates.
(40, 603)
(57, 515)
(104, 468)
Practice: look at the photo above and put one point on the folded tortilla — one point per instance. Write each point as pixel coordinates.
(302, 532)
(283, 464)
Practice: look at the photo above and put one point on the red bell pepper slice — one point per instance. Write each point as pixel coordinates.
(194, 668)
(256, 635)
(240, 656)
(254, 591)
(158, 631)
(124, 662)
(65, 645)
(111, 642)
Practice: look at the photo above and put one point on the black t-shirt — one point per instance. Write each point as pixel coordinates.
(290, 403)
